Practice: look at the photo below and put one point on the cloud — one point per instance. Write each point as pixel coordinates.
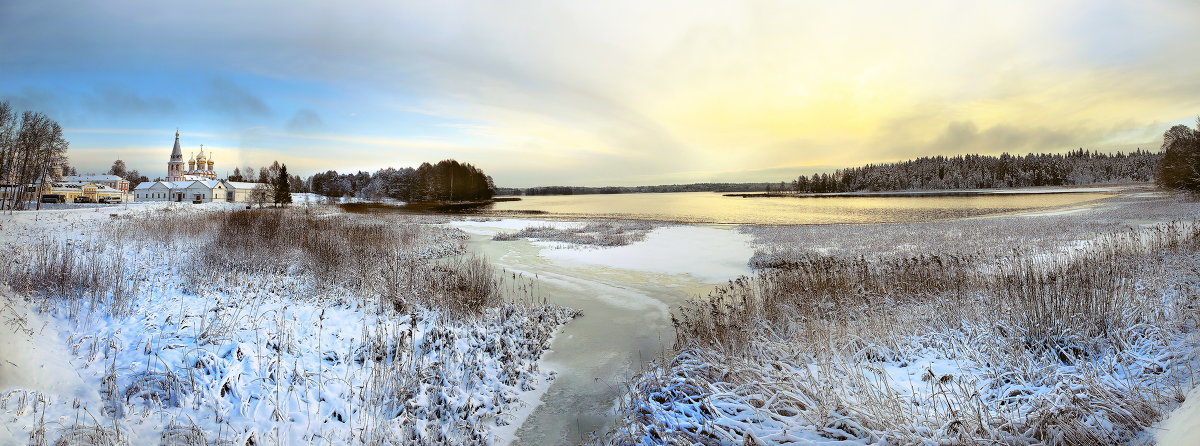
(305, 121)
(120, 100)
(228, 98)
(965, 137)
(37, 100)
(600, 91)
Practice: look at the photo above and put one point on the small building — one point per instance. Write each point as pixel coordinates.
(240, 192)
(195, 191)
(204, 191)
(111, 181)
(80, 192)
(153, 191)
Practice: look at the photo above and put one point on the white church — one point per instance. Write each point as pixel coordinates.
(197, 184)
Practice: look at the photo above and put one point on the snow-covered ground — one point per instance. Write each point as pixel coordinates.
(165, 346)
(290, 362)
(1182, 426)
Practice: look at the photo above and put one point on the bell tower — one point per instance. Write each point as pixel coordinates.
(175, 165)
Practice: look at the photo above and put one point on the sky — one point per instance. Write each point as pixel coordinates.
(599, 93)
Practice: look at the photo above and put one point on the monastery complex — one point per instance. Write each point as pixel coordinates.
(194, 181)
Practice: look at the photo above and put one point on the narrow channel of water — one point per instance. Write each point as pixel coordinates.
(625, 324)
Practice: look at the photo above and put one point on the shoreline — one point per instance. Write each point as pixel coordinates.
(1119, 188)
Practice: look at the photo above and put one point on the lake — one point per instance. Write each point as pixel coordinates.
(708, 207)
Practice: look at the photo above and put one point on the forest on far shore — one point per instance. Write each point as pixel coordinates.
(448, 180)
(982, 172)
(927, 173)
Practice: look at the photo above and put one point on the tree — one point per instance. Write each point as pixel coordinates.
(29, 147)
(260, 194)
(283, 190)
(1180, 165)
(118, 169)
(135, 178)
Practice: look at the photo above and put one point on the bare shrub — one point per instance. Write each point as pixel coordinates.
(469, 285)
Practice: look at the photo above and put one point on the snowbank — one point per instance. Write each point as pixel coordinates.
(1181, 427)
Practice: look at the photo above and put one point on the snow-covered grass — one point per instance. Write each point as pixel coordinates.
(594, 233)
(992, 239)
(200, 325)
(934, 349)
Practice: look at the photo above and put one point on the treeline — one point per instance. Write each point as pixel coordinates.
(448, 180)
(30, 143)
(581, 190)
(983, 171)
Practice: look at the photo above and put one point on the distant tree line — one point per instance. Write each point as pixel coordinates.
(448, 180)
(983, 171)
(1180, 167)
(582, 190)
(30, 144)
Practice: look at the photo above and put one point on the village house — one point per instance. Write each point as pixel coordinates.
(110, 181)
(240, 192)
(191, 191)
(80, 192)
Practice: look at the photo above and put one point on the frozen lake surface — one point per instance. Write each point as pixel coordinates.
(707, 207)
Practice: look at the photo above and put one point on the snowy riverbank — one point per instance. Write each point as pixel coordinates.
(178, 323)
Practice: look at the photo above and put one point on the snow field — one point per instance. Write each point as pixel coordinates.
(174, 347)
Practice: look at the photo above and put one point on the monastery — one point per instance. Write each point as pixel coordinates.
(197, 184)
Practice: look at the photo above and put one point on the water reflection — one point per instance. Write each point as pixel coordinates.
(705, 207)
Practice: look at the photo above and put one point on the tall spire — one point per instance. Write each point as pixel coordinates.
(176, 152)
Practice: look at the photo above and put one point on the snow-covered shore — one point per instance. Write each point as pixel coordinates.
(177, 347)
